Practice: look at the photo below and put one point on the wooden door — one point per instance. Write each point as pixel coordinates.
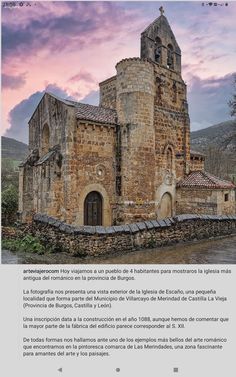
(93, 209)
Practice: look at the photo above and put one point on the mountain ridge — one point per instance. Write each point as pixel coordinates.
(13, 149)
(222, 135)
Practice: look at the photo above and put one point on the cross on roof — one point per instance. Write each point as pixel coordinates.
(161, 9)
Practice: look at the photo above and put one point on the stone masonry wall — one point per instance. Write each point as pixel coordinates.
(135, 101)
(95, 241)
(205, 201)
(197, 163)
(91, 167)
(171, 122)
(161, 29)
(55, 114)
(41, 185)
(108, 93)
(226, 202)
(202, 201)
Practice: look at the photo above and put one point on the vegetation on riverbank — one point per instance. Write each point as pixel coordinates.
(9, 181)
(26, 244)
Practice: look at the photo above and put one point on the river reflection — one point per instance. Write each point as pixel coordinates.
(221, 251)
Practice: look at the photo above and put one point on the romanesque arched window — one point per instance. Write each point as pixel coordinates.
(45, 139)
(174, 92)
(158, 45)
(170, 56)
(169, 160)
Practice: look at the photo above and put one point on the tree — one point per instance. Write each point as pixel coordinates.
(232, 102)
(9, 205)
(7, 165)
(9, 175)
(219, 162)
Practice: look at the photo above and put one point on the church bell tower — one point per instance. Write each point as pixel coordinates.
(159, 45)
(154, 125)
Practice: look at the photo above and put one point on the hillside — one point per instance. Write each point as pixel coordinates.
(13, 149)
(222, 136)
(218, 143)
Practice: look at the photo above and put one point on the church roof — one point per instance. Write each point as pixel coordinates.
(202, 179)
(196, 153)
(46, 157)
(95, 113)
(156, 21)
(163, 26)
(90, 112)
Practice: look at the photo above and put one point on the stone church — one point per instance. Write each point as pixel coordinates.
(127, 159)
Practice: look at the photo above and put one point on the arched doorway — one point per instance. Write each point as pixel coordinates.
(165, 206)
(93, 209)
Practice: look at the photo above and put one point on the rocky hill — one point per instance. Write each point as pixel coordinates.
(13, 149)
(218, 143)
(221, 135)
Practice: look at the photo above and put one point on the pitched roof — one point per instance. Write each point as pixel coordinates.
(202, 179)
(163, 26)
(90, 112)
(95, 113)
(46, 157)
(196, 153)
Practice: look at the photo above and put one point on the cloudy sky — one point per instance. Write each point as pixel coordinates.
(69, 47)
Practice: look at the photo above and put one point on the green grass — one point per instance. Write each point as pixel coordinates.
(10, 164)
(16, 163)
(27, 244)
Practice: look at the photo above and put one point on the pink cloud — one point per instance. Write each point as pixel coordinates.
(13, 82)
(82, 76)
(77, 44)
(63, 42)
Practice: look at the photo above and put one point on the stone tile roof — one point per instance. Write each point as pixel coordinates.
(46, 157)
(202, 179)
(96, 113)
(90, 112)
(196, 153)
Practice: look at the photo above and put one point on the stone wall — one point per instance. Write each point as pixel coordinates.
(226, 202)
(160, 30)
(91, 167)
(135, 101)
(190, 200)
(95, 241)
(172, 124)
(41, 179)
(201, 201)
(56, 115)
(172, 130)
(108, 93)
(197, 163)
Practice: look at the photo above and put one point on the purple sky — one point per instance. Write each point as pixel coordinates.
(69, 47)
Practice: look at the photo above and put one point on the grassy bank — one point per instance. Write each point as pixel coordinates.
(26, 244)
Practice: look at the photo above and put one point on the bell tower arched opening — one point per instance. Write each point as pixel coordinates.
(170, 56)
(158, 52)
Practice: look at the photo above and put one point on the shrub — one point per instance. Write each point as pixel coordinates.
(28, 244)
(9, 205)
